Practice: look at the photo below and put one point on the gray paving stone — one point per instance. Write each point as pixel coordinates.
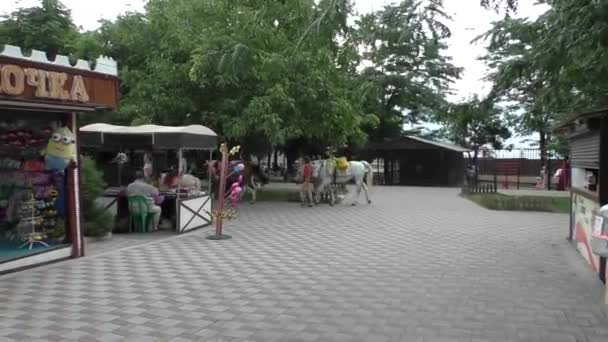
(416, 265)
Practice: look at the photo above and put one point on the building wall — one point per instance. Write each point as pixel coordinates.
(585, 150)
(583, 211)
(431, 167)
(578, 177)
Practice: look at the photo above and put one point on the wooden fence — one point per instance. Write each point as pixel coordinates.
(475, 186)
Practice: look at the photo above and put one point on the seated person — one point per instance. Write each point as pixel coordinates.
(140, 188)
(170, 178)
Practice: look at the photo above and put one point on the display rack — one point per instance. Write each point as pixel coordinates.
(33, 237)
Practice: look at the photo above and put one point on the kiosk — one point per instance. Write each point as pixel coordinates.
(191, 209)
(40, 102)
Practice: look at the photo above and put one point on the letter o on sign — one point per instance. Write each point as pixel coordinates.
(13, 80)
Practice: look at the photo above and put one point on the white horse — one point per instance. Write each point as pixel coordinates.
(323, 172)
(189, 181)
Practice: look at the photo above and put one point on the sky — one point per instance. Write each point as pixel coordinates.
(469, 20)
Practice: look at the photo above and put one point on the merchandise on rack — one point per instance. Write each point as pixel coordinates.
(28, 192)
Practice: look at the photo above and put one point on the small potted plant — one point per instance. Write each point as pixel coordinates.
(99, 225)
(57, 234)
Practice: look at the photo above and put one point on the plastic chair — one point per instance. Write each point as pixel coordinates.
(138, 213)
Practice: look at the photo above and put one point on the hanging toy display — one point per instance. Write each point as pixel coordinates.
(235, 191)
(238, 168)
(225, 213)
(61, 150)
(120, 158)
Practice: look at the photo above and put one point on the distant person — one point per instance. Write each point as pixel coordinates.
(306, 191)
(170, 178)
(140, 188)
(563, 182)
(148, 168)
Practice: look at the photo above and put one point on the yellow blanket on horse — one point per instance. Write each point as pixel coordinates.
(341, 163)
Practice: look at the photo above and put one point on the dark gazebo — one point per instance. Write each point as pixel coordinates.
(412, 160)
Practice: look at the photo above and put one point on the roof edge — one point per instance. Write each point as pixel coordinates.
(579, 116)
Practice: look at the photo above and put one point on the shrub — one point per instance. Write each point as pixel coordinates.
(93, 186)
(98, 222)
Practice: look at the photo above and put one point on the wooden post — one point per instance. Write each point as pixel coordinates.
(603, 180)
(209, 175)
(73, 196)
(220, 204)
(518, 176)
(221, 201)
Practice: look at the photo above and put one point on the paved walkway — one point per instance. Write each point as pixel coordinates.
(416, 265)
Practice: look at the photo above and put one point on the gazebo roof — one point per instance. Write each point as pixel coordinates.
(411, 142)
(149, 136)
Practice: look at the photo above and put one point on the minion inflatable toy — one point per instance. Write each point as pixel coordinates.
(61, 150)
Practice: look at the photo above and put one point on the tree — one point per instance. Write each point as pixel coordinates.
(550, 67)
(519, 79)
(474, 124)
(240, 67)
(508, 6)
(47, 27)
(409, 76)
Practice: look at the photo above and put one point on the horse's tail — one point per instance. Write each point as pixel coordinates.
(370, 174)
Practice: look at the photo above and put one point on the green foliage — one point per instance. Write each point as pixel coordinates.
(409, 76)
(47, 27)
(522, 203)
(552, 66)
(474, 124)
(99, 222)
(94, 186)
(519, 79)
(508, 6)
(273, 74)
(58, 231)
(239, 67)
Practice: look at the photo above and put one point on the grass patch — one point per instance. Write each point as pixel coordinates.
(521, 203)
(278, 195)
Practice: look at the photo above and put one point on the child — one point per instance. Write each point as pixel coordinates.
(306, 191)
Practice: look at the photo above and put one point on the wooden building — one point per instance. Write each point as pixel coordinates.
(588, 137)
(415, 161)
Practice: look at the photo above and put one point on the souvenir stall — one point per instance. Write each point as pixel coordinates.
(188, 207)
(587, 134)
(40, 219)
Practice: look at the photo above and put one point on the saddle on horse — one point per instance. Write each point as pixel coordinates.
(340, 167)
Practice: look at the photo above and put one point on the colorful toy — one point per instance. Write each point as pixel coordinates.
(224, 213)
(61, 150)
(238, 168)
(235, 191)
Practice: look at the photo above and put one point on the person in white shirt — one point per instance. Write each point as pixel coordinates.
(140, 188)
(148, 169)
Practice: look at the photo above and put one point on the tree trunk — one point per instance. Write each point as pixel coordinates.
(475, 168)
(276, 158)
(268, 162)
(542, 144)
(291, 154)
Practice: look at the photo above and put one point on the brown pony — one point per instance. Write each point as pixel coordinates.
(253, 177)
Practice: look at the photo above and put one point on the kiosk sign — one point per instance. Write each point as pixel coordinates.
(14, 81)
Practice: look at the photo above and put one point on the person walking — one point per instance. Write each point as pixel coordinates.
(564, 175)
(306, 191)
